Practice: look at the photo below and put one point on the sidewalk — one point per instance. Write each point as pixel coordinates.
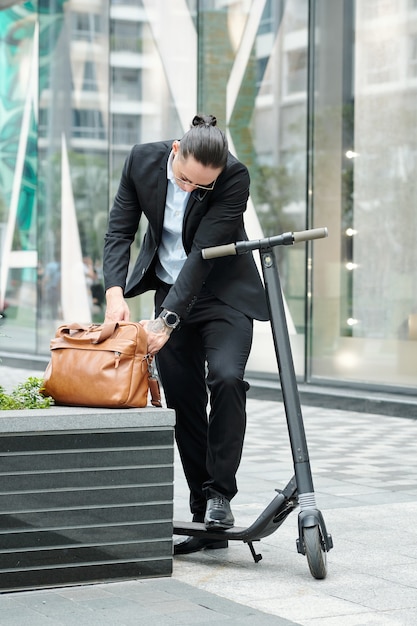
(365, 475)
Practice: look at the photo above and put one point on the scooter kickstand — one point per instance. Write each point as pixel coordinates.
(256, 557)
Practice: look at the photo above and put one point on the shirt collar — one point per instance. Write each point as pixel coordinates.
(170, 173)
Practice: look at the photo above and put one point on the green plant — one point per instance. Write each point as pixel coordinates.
(25, 396)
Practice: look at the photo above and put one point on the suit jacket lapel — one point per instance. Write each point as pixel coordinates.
(162, 184)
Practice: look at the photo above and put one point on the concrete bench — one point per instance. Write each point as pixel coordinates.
(86, 495)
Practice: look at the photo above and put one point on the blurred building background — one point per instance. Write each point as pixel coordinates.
(319, 99)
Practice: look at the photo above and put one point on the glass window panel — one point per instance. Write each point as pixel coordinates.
(126, 129)
(73, 164)
(296, 71)
(18, 171)
(126, 36)
(257, 87)
(364, 305)
(89, 82)
(266, 24)
(126, 83)
(85, 26)
(88, 123)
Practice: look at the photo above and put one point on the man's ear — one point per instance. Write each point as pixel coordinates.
(176, 146)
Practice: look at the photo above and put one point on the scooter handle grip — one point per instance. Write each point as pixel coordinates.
(218, 251)
(240, 247)
(308, 235)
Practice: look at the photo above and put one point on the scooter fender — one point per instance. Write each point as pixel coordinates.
(306, 519)
(309, 518)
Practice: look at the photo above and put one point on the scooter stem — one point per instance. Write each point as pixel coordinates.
(287, 374)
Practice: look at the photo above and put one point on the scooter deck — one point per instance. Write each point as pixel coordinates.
(267, 523)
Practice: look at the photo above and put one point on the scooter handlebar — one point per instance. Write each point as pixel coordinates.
(308, 235)
(241, 247)
(218, 251)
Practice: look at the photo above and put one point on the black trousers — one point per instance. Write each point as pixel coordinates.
(204, 360)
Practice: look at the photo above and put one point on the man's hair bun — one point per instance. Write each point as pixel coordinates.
(205, 142)
(204, 120)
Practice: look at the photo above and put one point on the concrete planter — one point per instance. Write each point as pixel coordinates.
(86, 495)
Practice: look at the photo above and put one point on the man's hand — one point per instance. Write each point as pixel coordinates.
(116, 309)
(158, 334)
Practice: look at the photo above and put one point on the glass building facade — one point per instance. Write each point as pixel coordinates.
(318, 98)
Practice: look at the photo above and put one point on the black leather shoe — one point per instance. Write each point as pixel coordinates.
(195, 544)
(218, 514)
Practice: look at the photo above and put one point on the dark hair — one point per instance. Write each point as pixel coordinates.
(205, 142)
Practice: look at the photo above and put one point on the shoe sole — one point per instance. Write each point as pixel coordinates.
(217, 526)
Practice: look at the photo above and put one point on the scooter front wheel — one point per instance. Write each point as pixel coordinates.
(315, 552)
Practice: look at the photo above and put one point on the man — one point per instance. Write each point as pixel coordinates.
(193, 193)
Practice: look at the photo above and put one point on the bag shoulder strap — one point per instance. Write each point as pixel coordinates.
(153, 383)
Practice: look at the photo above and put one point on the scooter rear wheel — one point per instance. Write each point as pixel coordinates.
(315, 552)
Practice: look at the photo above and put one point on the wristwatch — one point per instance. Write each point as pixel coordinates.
(170, 319)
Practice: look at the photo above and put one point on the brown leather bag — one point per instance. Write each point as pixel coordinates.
(101, 365)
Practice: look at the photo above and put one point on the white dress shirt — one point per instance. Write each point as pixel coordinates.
(171, 253)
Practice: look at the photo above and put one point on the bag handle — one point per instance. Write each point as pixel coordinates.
(106, 331)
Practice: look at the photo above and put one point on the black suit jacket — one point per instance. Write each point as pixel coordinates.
(211, 218)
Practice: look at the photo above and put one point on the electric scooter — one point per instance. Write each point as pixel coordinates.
(313, 539)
